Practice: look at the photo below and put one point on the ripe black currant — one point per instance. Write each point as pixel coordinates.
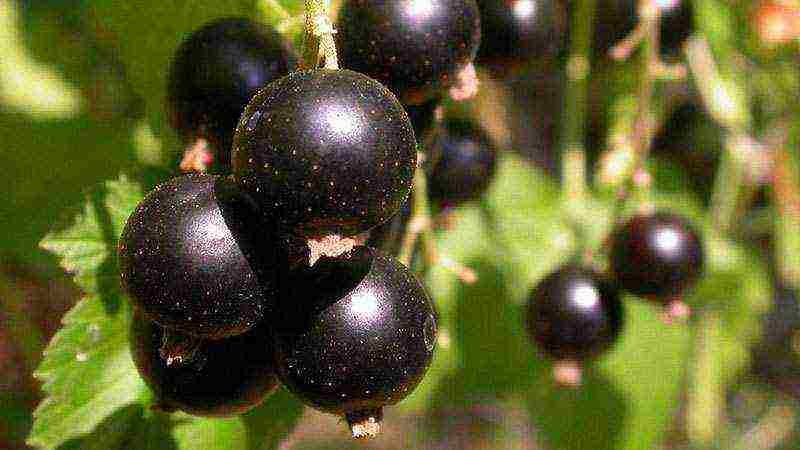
(188, 261)
(215, 73)
(574, 314)
(617, 18)
(517, 32)
(466, 163)
(227, 377)
(325, 152)
(414, 47)
(354, 334)
(656, 255)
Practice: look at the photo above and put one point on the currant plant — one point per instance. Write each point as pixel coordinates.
(336, 283)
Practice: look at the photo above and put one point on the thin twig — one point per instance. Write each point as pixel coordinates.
(573, 160)
(643, 124)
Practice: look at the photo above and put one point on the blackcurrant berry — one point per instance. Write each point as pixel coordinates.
(187, 259)
(227, 377)
(656, 256)
(215, 73)
(617, 18)
(574, 314)
(414, 47)
(518, 32)
(354, 334)
(466, 164)
(325, 152)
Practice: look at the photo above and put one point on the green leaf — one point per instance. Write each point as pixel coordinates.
(87, 371)
(269, 424)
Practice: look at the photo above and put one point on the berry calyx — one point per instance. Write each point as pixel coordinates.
(465, 165)
(214, 74)
(416, 48)
(656, 256)
(354, 334)
(574, 314)
(191, 261)
(228, 377)
(518, 32)
(325, 152)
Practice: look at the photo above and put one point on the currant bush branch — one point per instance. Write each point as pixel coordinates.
(573, 153)
(644, 122)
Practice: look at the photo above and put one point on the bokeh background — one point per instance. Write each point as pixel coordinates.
(82, 113)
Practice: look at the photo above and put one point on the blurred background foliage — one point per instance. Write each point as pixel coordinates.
(83, 134)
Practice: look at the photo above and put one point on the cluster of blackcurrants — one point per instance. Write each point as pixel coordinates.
(247, 281)
(575, 313)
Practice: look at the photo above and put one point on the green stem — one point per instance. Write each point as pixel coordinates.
(643, 125)
(318, 38)
(706, 396)
(419, 224)
(573, 161)
(727, 183)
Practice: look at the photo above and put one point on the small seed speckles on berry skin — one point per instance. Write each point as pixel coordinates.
(341, 161)
(191, 260)
(416, 48)
(354, 334)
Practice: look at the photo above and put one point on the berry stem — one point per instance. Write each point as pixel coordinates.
(573, 134)
(644, 122)
(706, 396)
(318, 41)
(573, 162)
(420, 228)
(420, 222)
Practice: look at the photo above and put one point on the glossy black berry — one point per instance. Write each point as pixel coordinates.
(214, 74)
(354, 334)
(226, 377)
(325, 152)
(466, 163)
(574, 313)
(656, 256)
(188, 261)
(516, 33)
(414, 47)
(615, 19)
